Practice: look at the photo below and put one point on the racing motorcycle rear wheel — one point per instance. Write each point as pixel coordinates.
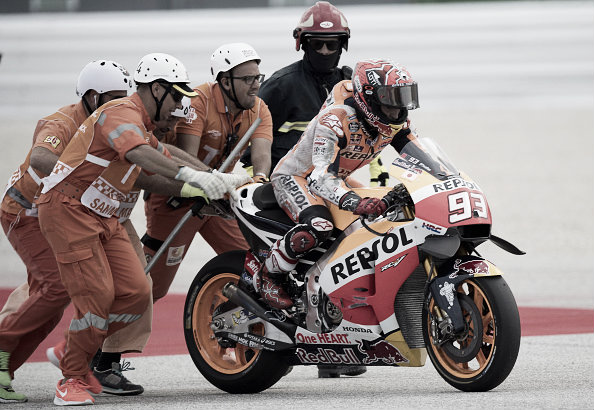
(484, 355)
(233, 368)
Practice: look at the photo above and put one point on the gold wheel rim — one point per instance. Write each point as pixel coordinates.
(467, 370)
(224, 360)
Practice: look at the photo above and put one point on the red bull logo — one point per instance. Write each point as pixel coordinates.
(383, 351)
(252, 265)
(474, 267)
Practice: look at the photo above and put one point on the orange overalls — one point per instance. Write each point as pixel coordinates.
(22, 331)
(212, 126)
(98, 265)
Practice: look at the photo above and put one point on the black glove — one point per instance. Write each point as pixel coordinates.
(349, 201)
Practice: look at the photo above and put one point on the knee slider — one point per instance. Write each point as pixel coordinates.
(319, 219)
(300, 240)
(315, 226)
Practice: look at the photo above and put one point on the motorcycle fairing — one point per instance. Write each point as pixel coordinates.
(365, 271)
(462, 200)
(352, 344)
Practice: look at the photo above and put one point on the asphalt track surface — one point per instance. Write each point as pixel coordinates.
(506, 88)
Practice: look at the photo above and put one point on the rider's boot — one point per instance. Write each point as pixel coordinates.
(272, 291)
(268, 281)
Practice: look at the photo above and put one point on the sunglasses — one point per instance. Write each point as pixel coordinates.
(250, 79)
(318, 44)
(176, 95)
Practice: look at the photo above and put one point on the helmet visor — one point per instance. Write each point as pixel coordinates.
(404, 96)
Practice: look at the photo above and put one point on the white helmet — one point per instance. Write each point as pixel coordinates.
(103, 76)
(161, 66)
(231, 55)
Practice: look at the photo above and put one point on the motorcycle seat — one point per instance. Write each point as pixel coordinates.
(264, 197)
(265, 201)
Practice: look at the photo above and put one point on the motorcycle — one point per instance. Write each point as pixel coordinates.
(383, 292)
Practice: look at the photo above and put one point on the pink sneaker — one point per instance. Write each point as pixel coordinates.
(55, 354)
(73, 392)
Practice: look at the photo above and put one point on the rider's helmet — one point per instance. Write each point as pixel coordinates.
(103, 76)
(320, 20)
(382, 82)
(228, 56)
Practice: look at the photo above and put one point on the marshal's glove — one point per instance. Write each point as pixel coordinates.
(189, 191)
(232, 182)
(212, 186)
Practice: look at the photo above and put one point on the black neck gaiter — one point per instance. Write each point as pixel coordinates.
(320, 63)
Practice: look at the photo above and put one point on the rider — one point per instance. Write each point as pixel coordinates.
(358, 120)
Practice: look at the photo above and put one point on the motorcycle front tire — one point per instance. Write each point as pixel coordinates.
(483, 358)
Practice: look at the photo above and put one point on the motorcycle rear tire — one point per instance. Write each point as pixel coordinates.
(499, 339)
(239, 369)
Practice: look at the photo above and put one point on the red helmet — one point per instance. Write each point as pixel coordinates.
(382, 82)
(322, 19)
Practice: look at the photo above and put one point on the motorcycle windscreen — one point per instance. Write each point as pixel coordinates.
(425, 154)
(403, 96)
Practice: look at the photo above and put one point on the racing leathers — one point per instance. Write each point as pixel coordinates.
(312, 175)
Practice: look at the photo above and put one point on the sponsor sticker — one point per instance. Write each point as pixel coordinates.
(52, 140)
(175, 255)
(354, 126)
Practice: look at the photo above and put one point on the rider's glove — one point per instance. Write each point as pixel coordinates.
(349, 201)
(212, 186)
(371, 207)
(232, 182)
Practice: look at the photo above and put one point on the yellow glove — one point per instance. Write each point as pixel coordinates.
(249, 170)
(189, 191)
(378, 173)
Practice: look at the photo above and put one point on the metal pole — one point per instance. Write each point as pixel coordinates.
(188, 214)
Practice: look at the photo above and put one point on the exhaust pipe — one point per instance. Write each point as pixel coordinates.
(241, 298)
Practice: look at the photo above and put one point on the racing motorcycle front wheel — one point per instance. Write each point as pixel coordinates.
(231, 367)
(483, 355)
